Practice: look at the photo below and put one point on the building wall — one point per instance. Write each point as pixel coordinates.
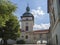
(55, 3)
(55, 29)
(33, 37)
(55, 32)
(30, 25)
(27, 21)
(30, 37)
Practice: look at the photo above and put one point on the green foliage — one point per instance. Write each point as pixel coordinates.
(12, 27)
(3, 19)
(6, 8)
(8, 22)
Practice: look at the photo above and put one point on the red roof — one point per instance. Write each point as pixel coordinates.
(38, 31)
(41, 31)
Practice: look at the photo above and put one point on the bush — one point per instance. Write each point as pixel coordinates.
(21, 42)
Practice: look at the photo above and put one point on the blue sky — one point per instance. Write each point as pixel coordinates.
(38, 8)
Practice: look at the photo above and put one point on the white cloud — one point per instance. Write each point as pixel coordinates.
(41, 26)
(37, 12)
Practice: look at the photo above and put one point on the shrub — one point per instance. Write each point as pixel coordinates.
(21, 42)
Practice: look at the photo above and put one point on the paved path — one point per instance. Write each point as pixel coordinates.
(29, 44)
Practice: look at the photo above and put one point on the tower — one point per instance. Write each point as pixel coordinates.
(27, 22)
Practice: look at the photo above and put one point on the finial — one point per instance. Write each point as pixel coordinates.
(27, 9)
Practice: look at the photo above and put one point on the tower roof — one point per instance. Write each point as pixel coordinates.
(27, 13)
(27, 8)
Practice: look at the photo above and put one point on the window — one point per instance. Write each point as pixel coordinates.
(40, 35)
(26, 28)
(26, 37)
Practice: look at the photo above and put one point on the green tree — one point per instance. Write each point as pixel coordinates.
(12, 28)
(9, 24)
(6, 9)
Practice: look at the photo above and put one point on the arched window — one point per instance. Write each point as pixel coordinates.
(26, 28)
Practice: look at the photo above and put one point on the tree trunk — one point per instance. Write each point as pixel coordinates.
(5, 42)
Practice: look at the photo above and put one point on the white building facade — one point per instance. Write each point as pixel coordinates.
(27, 22)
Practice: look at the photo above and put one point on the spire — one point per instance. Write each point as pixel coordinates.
(27, 8)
